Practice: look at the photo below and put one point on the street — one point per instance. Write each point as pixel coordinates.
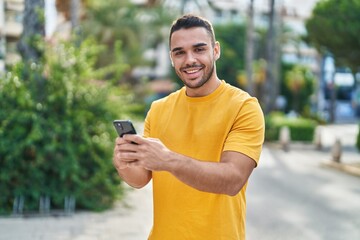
(292, 196)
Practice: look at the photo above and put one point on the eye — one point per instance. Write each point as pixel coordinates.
(178, 53)
(199, 49)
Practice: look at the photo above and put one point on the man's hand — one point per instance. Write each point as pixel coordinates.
(125, 161)
(148, 153)
(118, 162)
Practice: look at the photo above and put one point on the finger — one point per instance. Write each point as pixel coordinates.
(120, 141)
(127, 147)
(127, 156)
(132, 164)
(120, 165)
(134, 138)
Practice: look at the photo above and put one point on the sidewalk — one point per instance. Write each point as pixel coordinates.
(129, 220)
(350, 156)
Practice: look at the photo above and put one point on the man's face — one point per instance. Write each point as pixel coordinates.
(193, 56)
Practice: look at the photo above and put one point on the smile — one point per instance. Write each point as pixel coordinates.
(192, 69)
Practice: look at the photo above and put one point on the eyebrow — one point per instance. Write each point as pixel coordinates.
(194, 46)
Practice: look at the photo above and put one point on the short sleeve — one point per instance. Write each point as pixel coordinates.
(147, 124)
(247, 133)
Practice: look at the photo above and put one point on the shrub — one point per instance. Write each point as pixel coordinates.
(56, 131)
(301, 129)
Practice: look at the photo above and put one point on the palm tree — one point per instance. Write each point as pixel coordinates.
(138, 28)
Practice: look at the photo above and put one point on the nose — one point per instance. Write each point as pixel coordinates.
(190, 58)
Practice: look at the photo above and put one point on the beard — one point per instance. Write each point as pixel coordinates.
(203, 80)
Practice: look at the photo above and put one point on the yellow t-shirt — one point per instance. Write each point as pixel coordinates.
(202, 128)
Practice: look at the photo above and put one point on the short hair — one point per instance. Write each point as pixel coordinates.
(189, 21)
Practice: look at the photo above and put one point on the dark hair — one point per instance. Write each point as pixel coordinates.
(190, 21)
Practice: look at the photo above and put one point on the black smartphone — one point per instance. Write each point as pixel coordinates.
(124, 127)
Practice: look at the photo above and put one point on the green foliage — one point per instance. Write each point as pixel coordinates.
(136, 28)
(297, 86)
(301, 129)
(334, 26)
(232, 42)
(56, 130)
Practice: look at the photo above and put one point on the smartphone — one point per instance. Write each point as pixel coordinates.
(124, 127)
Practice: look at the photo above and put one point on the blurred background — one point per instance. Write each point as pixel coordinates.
(68, 68)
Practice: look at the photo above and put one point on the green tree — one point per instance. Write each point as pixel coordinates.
(334, 26)
(30, 48)
(138, 29)
(231, 63)
(297, 86)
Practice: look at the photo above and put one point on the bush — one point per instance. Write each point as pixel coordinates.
(56, 131)
(301, 129)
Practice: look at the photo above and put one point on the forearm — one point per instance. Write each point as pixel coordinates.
(214, 177)
(225, 177)
(136, 177)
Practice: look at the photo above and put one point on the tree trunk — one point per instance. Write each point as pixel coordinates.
(269, 98)
(250, 48)
(29, 45)
(75, 11)
(183, 4)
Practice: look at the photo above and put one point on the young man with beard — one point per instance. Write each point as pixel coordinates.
(200, 144)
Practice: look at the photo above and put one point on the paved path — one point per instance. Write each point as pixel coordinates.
(130, 220)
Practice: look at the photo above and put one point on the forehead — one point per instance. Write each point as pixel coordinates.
(189, 37)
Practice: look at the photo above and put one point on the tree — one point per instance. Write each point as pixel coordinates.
(250, 48)
(30, 48)
(297, 87)
(334, 27)
(137, 28)
(271, 83)
(233, 52)
(31, 45)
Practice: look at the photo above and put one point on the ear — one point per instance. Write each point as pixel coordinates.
(217, 50)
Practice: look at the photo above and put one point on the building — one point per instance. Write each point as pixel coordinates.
(11, 15)
(11, 27)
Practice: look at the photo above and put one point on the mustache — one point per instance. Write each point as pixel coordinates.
(192, 66)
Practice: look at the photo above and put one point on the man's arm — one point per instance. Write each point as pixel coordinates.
(225, 177)
(136, 177)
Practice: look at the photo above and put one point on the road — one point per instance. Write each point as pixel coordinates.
(293, 196)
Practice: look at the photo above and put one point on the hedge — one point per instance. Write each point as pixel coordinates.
(301, 129)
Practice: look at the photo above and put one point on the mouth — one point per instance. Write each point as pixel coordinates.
(193, 70)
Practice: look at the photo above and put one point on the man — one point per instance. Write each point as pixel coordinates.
(201, 144)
